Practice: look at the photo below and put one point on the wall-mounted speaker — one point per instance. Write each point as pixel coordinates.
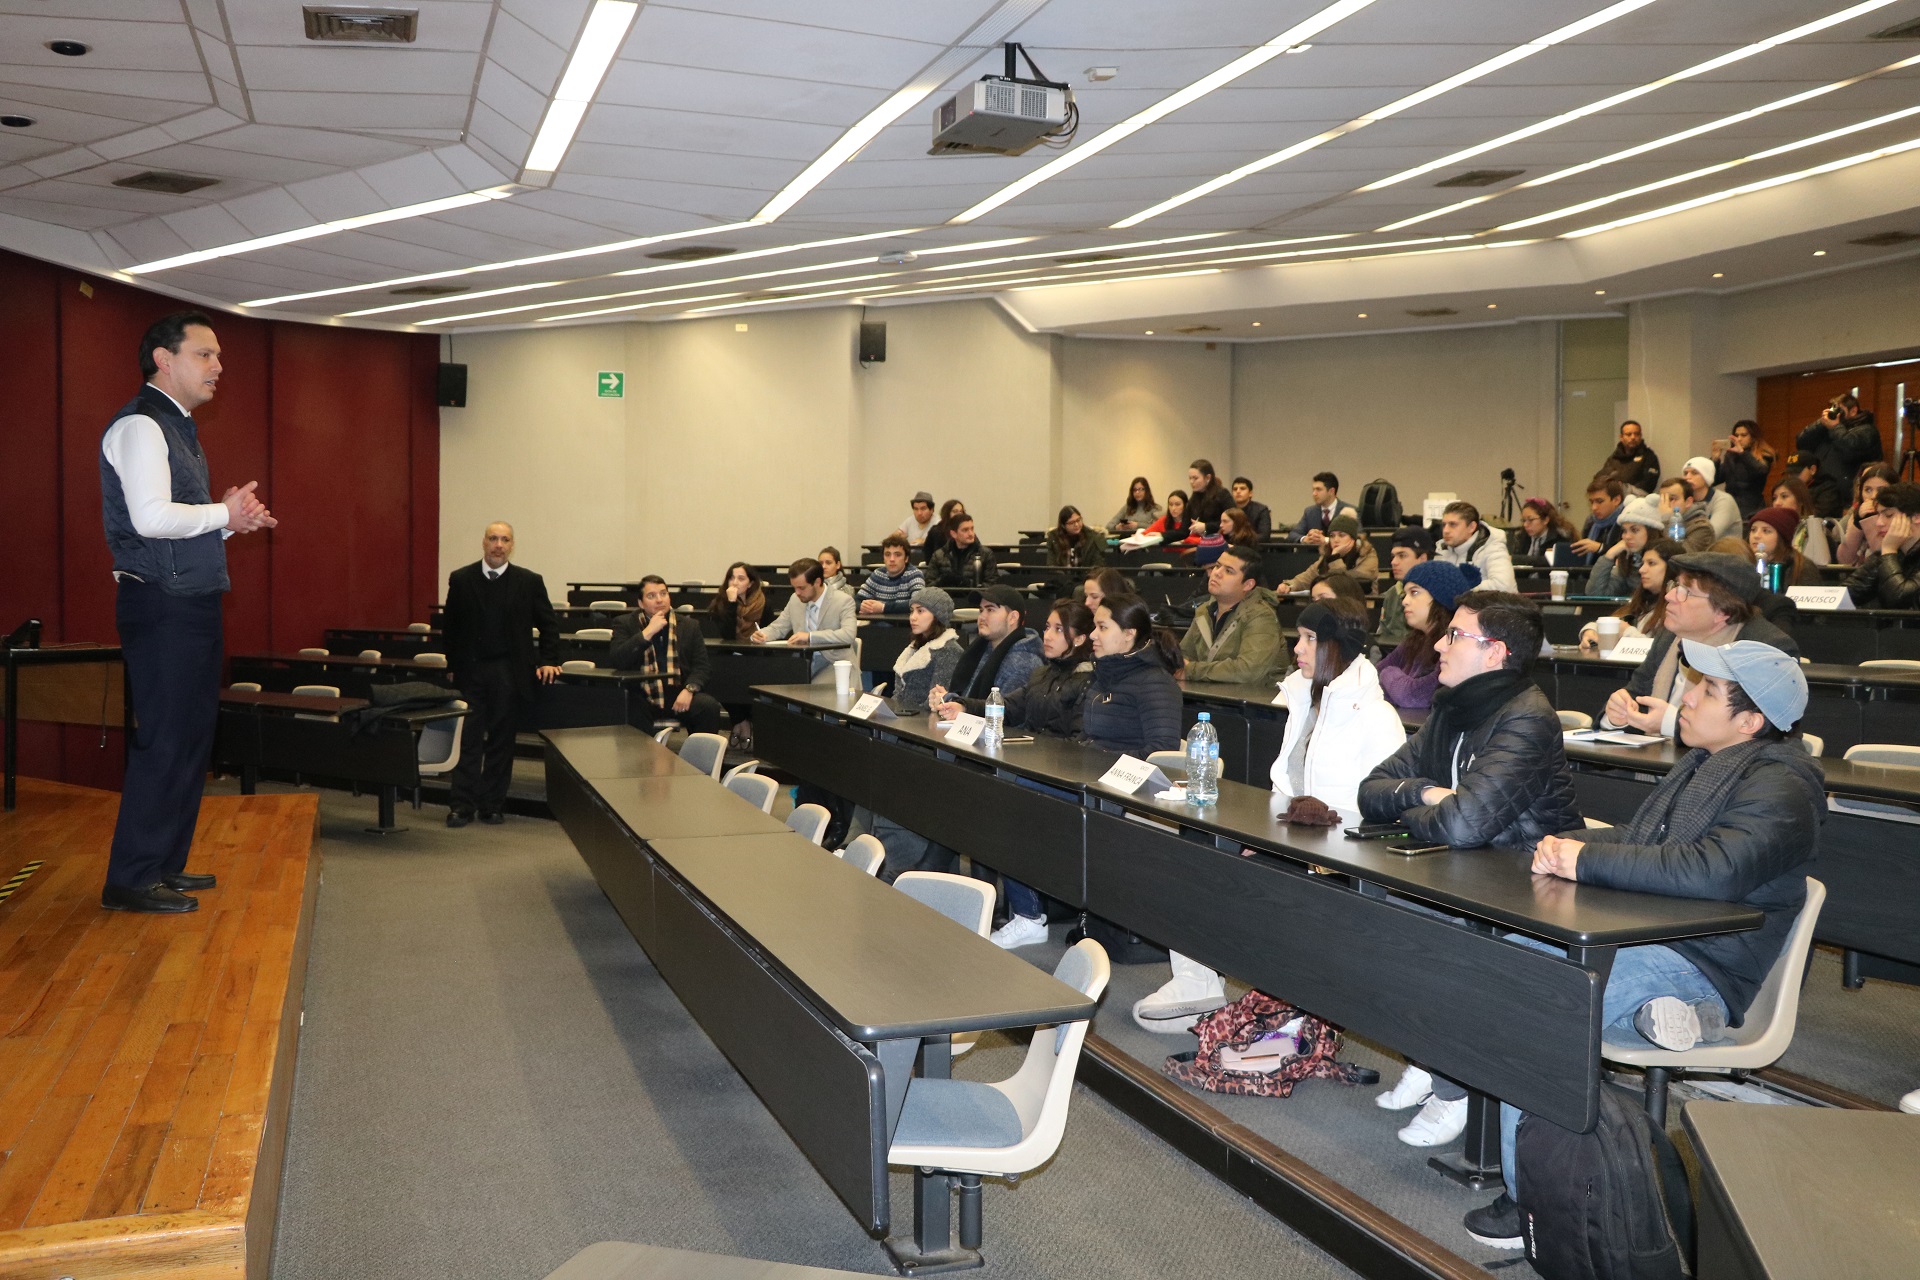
(452, 389)
(873, 342)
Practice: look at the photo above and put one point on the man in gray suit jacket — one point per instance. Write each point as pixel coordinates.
(814, 617)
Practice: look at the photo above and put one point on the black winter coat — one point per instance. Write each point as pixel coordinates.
(1050, 702)
(1745, 479)
(952, 567)
(1841, 448)
(1513, 782)
(1132, 705)
(1762, 843)
(1882, 581)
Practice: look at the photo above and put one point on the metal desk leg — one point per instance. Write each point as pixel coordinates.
(933, 1248)
(388, 826)
(249, 779)
(1477, 1163)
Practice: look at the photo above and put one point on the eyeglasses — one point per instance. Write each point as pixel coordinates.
(1455, 635)
(1679, 592)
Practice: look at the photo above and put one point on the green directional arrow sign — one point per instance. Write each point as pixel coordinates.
(613, 386)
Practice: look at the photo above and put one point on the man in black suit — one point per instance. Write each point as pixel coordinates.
(492, 610)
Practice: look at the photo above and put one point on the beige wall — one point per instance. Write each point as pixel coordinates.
(1439, 411)
(1593, 400)
(1140, 408)
(1865, 314)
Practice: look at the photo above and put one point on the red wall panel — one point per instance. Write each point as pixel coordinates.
(339, 427)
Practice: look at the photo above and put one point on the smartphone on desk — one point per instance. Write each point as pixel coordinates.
(1376, 831)
(1412, 848)
(1015, 739)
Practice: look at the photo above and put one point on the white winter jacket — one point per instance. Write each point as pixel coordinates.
(1357, 729)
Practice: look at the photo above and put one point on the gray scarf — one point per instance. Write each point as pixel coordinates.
(1691, 797)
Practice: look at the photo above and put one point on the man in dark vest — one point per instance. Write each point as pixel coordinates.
(168, 539)
(492, 610)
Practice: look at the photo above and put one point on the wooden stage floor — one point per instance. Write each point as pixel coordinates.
(146, 1062)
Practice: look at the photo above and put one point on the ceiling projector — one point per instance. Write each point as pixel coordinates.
(999, 116)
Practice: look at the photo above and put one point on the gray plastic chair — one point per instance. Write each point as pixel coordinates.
(865, 852)
(704, 751)
(810, 820)
(755, 789)
(428, 658)
(962, 899)
(572, 665)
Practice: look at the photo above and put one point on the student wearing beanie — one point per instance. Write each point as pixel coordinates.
(1722, 512)
(1412, 545)
(1617, 571)
(1770, 533)
(931, 656)
(1344, 551)
(1410, 675)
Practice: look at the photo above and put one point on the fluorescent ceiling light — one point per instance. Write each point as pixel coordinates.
(323, 229)
(606, 29)
(638, 306)
(1476, 72)
(1168, 105)
(1800, 145)
(564, 255)
(1833, 166)
(844, 149)
(1161, 275)
(1711, 64)
(1738, 117)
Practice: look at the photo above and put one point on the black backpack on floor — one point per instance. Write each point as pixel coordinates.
(1380, 506)
(1612, 1204)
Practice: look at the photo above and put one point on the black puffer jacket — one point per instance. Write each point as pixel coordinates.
(1050, 702)
(1841, 448)
(1512, 783)
(952, 567)
(1760, 846)
(1882, 581)
(1132, 705)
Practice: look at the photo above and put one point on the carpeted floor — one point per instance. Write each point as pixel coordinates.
(491, 1077)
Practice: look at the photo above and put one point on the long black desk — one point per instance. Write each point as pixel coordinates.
(821, 984)
(1509, 1021)
(738, 665)
(1806, 1193)
(574, 699)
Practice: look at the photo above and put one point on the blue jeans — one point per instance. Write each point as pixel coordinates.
(1639, 975)
(1023, 900)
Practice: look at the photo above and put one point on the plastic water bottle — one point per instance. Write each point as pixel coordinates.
(1203, 761)
(996, 731)
(1676, 527)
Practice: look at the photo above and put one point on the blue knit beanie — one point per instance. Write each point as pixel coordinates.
(1444, 580)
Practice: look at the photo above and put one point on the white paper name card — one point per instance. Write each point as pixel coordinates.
(966, 730)
(1130, 774)
(871, 706)
(1832, 599)
(1630, 649)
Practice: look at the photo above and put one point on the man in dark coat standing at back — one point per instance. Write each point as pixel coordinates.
(168, 539)
(492, 610)
(1632, 463)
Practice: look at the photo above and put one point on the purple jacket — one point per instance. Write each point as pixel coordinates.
(1402, 688)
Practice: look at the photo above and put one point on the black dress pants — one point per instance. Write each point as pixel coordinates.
(481, 778)
(172, 649)
(701, 717)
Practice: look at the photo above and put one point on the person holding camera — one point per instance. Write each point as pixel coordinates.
(1841, 440)
(1744, 461)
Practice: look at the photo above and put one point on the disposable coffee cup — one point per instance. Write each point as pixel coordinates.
(1609, 632)
(1557, 582)
(843, 677)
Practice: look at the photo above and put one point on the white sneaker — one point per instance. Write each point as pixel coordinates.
(1414, 1088)
(1911, 1103)
(1179, 1003)
(1438, 1123)
(1021, 931)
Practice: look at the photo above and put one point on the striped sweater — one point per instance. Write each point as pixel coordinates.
(895, 594)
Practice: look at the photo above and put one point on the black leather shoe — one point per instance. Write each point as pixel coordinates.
(188, 881)
(156, 898)
(455, 818)
(493, 818)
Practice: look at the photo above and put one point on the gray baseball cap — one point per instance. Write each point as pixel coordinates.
(1771, 678)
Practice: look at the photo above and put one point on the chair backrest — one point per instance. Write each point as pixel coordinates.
(606, 604)
(594, 633)
(315, 653)
(316, 691)
(1170, 763)
(1814, 743)
(811, 821)
(1904, 664)
(962, 899)
(1895, 754)
(375, 654)
(1575, 720)
(577, 664)
(662, 734)
(419, 626)
(865, 852)
(755, 788)
(704, 751)
(1041, 1088)
(745, 766)
(1768, 1026)
(683, 608)
(438, 749)
(1158, 564)
(245, 686)
(969, 614)
(428, 658)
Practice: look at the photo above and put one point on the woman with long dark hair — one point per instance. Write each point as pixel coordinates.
(1101, 584)
(1542, 534)
(1645, 612)
(1133, 704)
(1072, 545)
(942, 531)
(1770, 533)
(1173, 526)
(1139, 510)
(1811, 538)
(1854, 545)
(932, 653)
(1235, 529)
(740, 604)
(1411, 673)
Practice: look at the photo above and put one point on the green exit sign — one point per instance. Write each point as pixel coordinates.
(613, 386)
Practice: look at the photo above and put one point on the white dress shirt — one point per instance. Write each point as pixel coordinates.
(136, 449)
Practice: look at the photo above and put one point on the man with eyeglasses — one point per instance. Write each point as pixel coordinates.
(1489, 767)
(1712, 599)
(1737, 820)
